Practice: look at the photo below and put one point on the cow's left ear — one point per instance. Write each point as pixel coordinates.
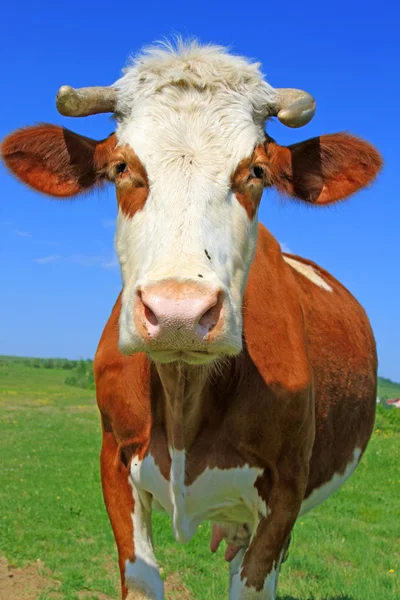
(323, 169)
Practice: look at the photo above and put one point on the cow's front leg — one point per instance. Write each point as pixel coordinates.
(130, 515)
(254, 571)
(239, 589)
(142, 576)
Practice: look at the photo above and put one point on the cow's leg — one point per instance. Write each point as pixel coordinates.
(130, 516)
(238, 590)
(271, 582)
(234, 569)
(254, 573)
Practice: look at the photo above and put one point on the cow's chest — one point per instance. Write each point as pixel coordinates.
(225, 495)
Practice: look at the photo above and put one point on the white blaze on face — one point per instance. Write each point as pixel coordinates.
(190, 137)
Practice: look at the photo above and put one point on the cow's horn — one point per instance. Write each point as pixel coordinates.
(293, 108)
(85, 101)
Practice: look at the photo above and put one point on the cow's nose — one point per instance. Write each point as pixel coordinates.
(178, 311)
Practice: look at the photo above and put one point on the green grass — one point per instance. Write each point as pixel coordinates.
(388, 389)
(51, 506)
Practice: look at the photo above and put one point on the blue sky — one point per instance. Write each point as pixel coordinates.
(58, 269)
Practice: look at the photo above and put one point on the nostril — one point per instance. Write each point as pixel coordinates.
(210, 318)
(149, 315)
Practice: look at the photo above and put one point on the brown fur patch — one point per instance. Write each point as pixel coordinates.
(54, 160)
(323, 169)
(248, 190)
(119, 501)
(132, 185)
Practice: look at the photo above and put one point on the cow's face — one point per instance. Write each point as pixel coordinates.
(188, 186)
(189, 161)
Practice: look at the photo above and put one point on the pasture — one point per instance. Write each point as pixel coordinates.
(58, 544)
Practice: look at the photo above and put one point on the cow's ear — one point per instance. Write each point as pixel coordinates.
(324, 169)
(54, 160)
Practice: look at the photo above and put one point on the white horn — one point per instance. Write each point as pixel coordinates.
(85, 101)
(294, 108)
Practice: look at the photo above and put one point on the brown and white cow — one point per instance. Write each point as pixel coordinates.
(236, 383)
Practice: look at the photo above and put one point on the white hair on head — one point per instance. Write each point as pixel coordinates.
(188, 64)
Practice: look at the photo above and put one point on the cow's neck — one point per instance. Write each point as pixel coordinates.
(184, 396)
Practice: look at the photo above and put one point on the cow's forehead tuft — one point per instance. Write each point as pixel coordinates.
(186, 65)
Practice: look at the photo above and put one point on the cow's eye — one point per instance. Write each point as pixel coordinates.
(257, 172)
(121, 168)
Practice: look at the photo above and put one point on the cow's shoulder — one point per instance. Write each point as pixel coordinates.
(273, 320)
(122, 386)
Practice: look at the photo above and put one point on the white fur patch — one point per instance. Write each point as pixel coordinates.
(189, 64)
(326, 490)
(238, 590)
(178, 496)
(142, 576)
(222, 495)
(309, 272)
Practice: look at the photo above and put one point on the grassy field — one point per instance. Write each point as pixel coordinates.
(388, 389)
(51, 508)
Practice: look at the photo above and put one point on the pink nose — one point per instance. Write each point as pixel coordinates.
(174, 313)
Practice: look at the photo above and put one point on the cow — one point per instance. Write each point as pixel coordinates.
(236, 383)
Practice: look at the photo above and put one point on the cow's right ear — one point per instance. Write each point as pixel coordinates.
(56, 161)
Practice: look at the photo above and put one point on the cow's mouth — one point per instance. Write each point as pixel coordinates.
(191, 357)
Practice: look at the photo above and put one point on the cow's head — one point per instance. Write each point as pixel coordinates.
(190, 159)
